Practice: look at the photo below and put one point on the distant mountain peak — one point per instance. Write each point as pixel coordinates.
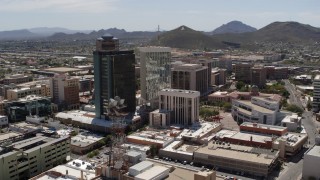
(233, 27)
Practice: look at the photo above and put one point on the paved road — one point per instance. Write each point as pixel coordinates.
(294, 97)
(307, 120)
(293, 168)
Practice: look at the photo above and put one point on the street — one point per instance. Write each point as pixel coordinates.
(293, 168)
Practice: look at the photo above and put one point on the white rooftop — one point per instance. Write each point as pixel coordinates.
(84, 117)
(152, 173)
(314, 151)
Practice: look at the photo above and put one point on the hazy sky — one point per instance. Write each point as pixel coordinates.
(133, 15)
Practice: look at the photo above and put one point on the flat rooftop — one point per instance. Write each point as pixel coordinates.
(263, 126)
(240, 153)
(179, 147)
(255, 137)
(225, 133)
(85, 139)
(151, 136)
(293, 139)
(199, 130)
(84, 117)
(62, 69)
(314, 151)
(4, 136)
(256, 107)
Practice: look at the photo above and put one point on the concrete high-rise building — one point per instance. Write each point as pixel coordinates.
(207, 63)
(190, 77)
(114, 75)
(218, 77)
(258, 76)
(65, 91)
(242, 72)
(316, 94)
(155, 71)
(184, 105)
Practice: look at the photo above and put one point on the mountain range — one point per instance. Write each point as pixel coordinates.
(234, 33)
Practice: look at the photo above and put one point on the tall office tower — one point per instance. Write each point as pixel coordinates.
(190, 77)
(65, 91)
(114, 75)
(316, 94)
(208, 63)
(183, 103)
(258, 76)
(155, 71)
(242, 72)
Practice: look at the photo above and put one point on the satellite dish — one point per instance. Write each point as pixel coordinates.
(118, 164)
(121, 101)
(117, 98)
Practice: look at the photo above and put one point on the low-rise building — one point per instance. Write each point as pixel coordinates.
(292, 122)
(84, 142)
(258, 110)
(237, 158)
(199, 132)
(303, 79)
(160, 139)
(157, 171)
(76, 169)
(86, 120)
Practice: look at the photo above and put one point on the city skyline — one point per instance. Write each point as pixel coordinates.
(134, 15)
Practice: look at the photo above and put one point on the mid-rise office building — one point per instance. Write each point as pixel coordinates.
(29, 157)
(218, 77)
(16, 79)
(258, 76)
(5, 88)
(65, 91)
(184, 105)
(223, 63)
(155, 71)
(242, 72)
(30, 105)
(276, 73)
(114, 75)
(39, 90)
(190, 77)
(316, 94)
(3, 121)
(259, 110)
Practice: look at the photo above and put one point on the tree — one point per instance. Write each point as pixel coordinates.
(227, 106)
(154, 150)
(309, 105)
(294, 108)
(240, 85)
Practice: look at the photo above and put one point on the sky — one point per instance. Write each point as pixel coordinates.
(146, 15)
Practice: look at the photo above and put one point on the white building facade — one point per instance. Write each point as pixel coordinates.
(258, 110)
(184, 105)
(316, 94)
